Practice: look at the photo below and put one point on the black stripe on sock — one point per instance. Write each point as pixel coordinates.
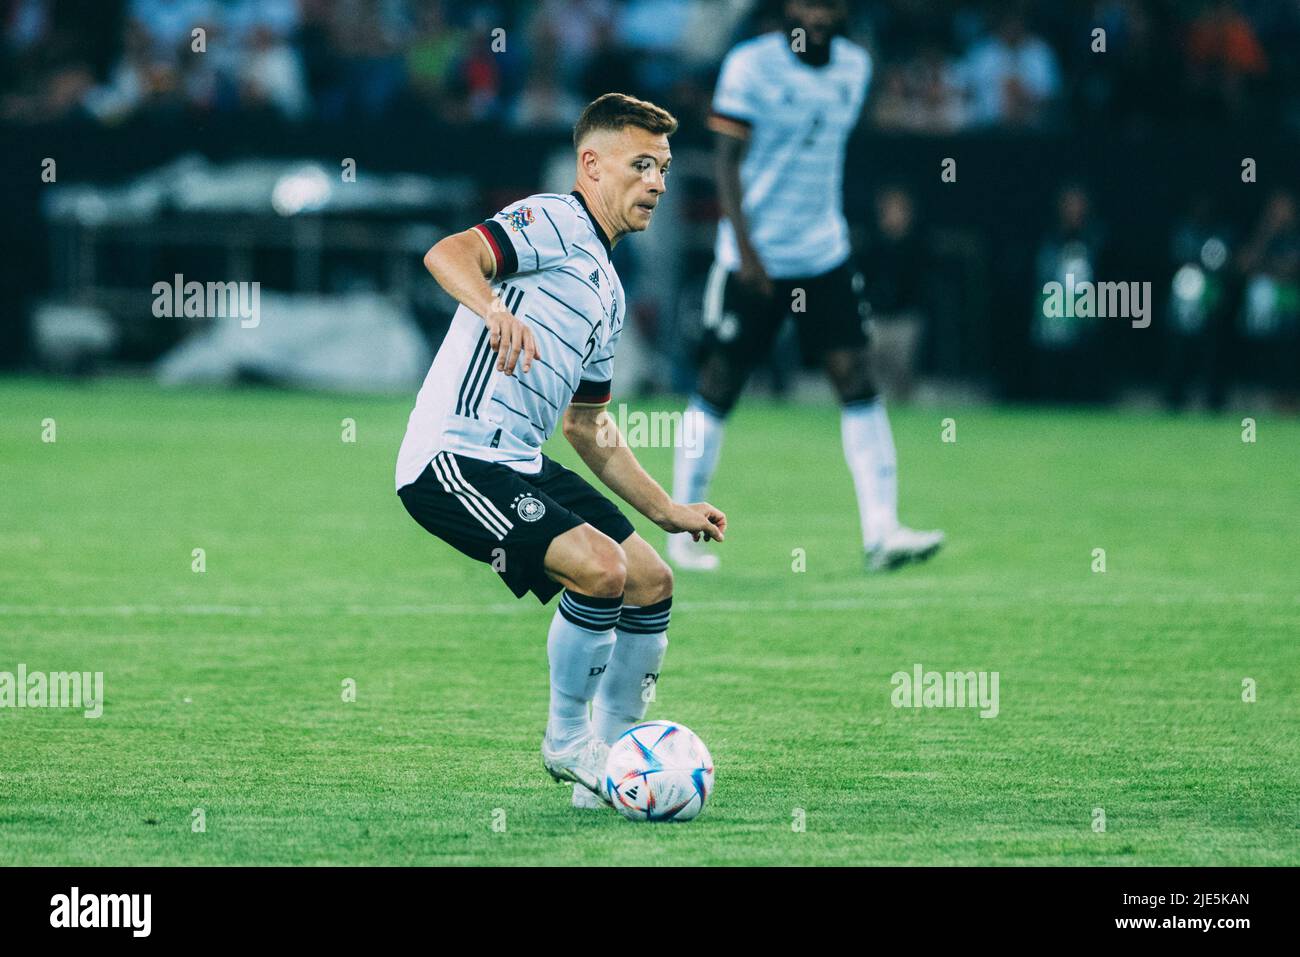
(646, 619)
(589, 611)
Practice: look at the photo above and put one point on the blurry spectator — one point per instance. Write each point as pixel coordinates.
(610, 69)
(573, 32)
(364, 71)
(1068, 360)
(52, 55)
(136, 78)
(1012, 76)
(922, 94)
(1270, 319)
(895, 261)
(433, 56)
(168, 24)
(1223, 56)
(1135, 83)
(272, 74)
(652, 31)
(544, 103)
(1200, 296)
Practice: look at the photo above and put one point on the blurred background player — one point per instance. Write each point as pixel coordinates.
(782, 113)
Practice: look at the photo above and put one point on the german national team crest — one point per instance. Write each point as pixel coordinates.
(519, 218)
(530, 509)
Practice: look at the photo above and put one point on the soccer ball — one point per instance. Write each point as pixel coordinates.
(659, 771)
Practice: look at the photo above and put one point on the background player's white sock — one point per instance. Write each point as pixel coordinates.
(693, 467)
(624, 692)
(869, 451)
(578, 647)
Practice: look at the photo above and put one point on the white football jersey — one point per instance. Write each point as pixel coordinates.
(797, 119)
(552, 270)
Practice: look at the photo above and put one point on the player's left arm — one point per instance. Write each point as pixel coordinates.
(595, 437)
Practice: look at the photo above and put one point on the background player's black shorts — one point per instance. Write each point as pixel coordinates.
(743, 325)
(505, 518)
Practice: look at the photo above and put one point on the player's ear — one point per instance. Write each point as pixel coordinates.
(590, 161)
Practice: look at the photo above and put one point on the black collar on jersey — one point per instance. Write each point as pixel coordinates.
(604, 240)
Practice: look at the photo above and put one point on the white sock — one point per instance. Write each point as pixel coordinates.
(628, 683)
(869, 451)
(578, 647)
(702, 430)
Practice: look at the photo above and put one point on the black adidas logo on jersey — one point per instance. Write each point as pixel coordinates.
(595, 278)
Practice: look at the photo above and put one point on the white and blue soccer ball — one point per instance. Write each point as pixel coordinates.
(659, 771)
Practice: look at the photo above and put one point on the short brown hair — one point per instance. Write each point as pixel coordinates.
(613, 111)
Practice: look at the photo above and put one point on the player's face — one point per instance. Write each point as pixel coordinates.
(819, 18)
(639, 177)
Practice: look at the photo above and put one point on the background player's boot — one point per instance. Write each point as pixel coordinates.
(901, 546)
(689, 555)
(583, 764)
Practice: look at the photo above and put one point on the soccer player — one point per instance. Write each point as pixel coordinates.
(782, 112)
(532, 342)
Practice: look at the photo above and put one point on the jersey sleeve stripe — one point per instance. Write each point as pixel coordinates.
(730, 125)
(502, 249)
(592, 393)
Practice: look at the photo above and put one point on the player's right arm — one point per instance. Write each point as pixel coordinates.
(737, 106)
(463, 263)
(729, 152)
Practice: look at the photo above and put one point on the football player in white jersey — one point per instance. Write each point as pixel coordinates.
(529, 348)
(783, 110)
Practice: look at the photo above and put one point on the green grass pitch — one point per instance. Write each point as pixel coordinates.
(1119, 690)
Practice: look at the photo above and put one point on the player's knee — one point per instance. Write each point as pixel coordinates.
(859, 392)
(850, 373)
(607, 574)
(721, 401)
(654, 583)
(719, 383)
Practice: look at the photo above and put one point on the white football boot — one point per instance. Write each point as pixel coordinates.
(690, 555)
(585, 799)
(901, 546)
(583, 764)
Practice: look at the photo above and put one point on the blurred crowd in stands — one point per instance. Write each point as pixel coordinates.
(942, 65)
(1228, 296)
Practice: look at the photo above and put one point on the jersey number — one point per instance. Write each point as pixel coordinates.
(591, 345)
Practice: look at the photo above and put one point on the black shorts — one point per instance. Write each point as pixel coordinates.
(507, 519)
(829, 310)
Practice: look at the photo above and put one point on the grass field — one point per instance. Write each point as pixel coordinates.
(1120, 691)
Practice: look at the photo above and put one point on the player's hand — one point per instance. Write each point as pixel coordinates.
(700, 519)
(509, 338)
(753, 276)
